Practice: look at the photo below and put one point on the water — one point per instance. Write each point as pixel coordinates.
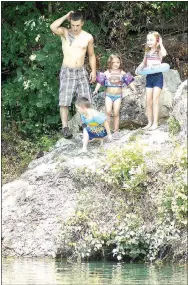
(51, 272)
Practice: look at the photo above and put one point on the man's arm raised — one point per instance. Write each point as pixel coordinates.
(55, 26)
(92, 60)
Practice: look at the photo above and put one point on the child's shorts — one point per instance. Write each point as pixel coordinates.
(98, 134)
(113, 97)
(154, 80)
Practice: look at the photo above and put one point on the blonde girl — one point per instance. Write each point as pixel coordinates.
(154, 52)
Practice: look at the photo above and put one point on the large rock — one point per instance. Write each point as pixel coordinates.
(179, 111)
(35, 205)
(133, 111)
(32, 211)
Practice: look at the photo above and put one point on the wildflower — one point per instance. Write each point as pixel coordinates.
(32, 57)
(37, 38)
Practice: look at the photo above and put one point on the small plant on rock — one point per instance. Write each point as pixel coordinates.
(174, 125)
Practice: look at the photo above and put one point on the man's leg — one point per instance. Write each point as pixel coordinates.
(83, 87)
(64, 116)
(66, 91)
(64, 119)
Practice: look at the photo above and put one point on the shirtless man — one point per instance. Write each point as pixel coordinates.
(73, 75)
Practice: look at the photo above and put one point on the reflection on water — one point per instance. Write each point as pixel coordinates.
(51, 272)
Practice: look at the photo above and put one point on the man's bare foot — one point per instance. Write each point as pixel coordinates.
(83, 150)
(153, 127)
(147, 127)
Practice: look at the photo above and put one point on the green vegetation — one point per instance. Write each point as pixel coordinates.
(32, 55)
(114, 224)
(124, 168)
(17, 152)
(173, 125)
(136, 135)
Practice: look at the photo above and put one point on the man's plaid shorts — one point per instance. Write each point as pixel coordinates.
(73, 81)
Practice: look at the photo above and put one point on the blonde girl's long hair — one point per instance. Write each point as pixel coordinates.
(110, 59)
(157, 36)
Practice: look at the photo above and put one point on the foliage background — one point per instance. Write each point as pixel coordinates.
(32, 56)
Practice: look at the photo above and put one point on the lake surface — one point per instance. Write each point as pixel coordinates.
(51, 272)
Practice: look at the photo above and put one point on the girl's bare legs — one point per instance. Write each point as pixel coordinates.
(149, 103)
(156, 97)
(116, 106)
(108, 107)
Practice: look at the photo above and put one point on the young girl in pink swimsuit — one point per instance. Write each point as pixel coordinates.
(114, 78)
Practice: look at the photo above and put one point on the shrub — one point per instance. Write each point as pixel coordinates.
(173, 125)
(124, 168)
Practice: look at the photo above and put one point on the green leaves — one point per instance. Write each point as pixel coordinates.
(124, 168)
(39, 104)
(40, 56)
(174, 125)
(32, 54)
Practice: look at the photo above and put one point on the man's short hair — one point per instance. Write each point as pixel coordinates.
(77, 15)
(83, 102)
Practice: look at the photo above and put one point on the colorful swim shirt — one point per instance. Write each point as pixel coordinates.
(95, 126)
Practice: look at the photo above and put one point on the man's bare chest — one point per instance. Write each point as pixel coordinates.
(75, 42)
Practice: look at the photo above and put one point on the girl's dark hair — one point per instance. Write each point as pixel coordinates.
(77, 15)
(83, 102)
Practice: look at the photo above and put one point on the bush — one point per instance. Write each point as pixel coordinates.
(173, 125)
(122, 225)
(17, 152)
(124, 168)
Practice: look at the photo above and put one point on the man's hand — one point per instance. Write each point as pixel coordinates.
(68, 15)
(92, 77)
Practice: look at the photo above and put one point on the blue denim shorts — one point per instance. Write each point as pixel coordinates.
(113, 97)
(154, 80)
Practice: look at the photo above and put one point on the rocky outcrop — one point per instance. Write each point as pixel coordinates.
(179, 111)
(35, 205)
(133, 109)
(32, 209)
